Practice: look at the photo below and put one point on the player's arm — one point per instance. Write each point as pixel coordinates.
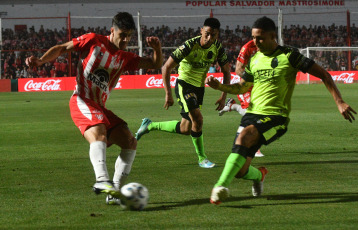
(344, 108)
(167, 68)
(227, 77)
(157, 60)
(239, 68)
(50, 55)
(237, 88)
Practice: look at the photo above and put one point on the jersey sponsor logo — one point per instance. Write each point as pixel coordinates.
(100, 77)
(265, 75)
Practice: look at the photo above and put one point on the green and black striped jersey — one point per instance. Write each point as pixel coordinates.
(194, 61)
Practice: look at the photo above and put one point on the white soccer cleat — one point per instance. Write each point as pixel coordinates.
(106, 187)
(227, 107)
(258, 186)
(110, 200)
(218, 194)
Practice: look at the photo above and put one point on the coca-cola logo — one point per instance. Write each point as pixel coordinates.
(158, 82)
(49, 85)
(345, 77)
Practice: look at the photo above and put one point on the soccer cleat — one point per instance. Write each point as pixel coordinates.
(258, 186)
(105, 187)
(110, 200)
(143, 129)
(227, 107)
(259, 154)
(206, 164)
(219, 194)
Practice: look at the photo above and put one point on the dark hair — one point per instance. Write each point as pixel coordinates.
(265, 24)
(212, 22)
(123, 20)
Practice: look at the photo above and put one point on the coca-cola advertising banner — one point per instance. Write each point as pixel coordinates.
(151, 81)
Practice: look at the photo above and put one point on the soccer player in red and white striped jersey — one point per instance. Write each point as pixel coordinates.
(102, 60)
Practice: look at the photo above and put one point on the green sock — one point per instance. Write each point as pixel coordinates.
(253, 174)
(199, 146)
(167, 126)
(232, 166)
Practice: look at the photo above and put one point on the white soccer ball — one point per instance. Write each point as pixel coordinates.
(137, 196)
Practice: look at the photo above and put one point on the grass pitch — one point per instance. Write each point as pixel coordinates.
(46, 175)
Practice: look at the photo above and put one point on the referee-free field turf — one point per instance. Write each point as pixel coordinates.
(46, 176)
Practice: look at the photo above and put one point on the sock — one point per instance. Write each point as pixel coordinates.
(167, 126)
(237, 107)
(123, 167)
(98, 159)
(232, 166)
(253, 174)
(198, 141)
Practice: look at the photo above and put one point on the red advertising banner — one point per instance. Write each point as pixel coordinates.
(153, 81)
(346, 77)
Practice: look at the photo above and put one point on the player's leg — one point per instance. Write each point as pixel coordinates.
(96, 136)
(122, 136)
(91, 121)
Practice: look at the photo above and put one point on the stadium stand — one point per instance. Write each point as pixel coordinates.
(23, 43)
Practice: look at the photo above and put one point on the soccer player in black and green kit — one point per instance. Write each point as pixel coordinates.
(272, 71)
(194, 58)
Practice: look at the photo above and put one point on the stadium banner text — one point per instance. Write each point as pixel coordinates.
(266, 3)
(152, 81)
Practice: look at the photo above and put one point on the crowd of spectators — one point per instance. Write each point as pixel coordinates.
(17, 45)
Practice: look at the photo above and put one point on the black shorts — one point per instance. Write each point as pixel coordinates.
(269, 126)
(189, 97)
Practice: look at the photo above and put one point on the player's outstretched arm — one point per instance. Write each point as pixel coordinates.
(345, 109)
(50, 55)
(237, 88)
(166, 70)
(157, 60)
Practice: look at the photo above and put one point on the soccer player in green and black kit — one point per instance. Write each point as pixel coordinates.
(194, 59)
(272, 71)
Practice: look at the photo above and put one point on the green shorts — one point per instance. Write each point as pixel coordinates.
(189, 97)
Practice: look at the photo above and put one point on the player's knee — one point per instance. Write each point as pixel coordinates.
(132, 143)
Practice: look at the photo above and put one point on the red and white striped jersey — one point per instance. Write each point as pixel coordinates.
(100, 66)
(246, 52)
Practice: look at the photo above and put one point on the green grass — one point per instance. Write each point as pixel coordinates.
(46, 175)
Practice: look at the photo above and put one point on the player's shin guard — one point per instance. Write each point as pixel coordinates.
(167, 126)
(198, 141)
(123, 167)
(232, 166)
(97, 154)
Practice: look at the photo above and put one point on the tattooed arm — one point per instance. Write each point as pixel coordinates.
(237, 88)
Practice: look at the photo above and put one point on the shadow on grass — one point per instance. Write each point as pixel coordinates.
(312, 162)
(272, 200)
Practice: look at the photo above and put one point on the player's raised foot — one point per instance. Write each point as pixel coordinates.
(227, 107)
(105, 187)
(206, 164)
(259, 154)
(110, 200)
(143, 129)
(258, 186)
(219, 194)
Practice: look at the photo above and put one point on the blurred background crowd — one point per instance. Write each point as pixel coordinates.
(19, 44)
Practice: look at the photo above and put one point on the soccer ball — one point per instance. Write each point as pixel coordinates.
(136, 195)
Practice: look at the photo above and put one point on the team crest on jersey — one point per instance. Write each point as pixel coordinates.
(99, 116)
(274, 63)
(210, 55)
